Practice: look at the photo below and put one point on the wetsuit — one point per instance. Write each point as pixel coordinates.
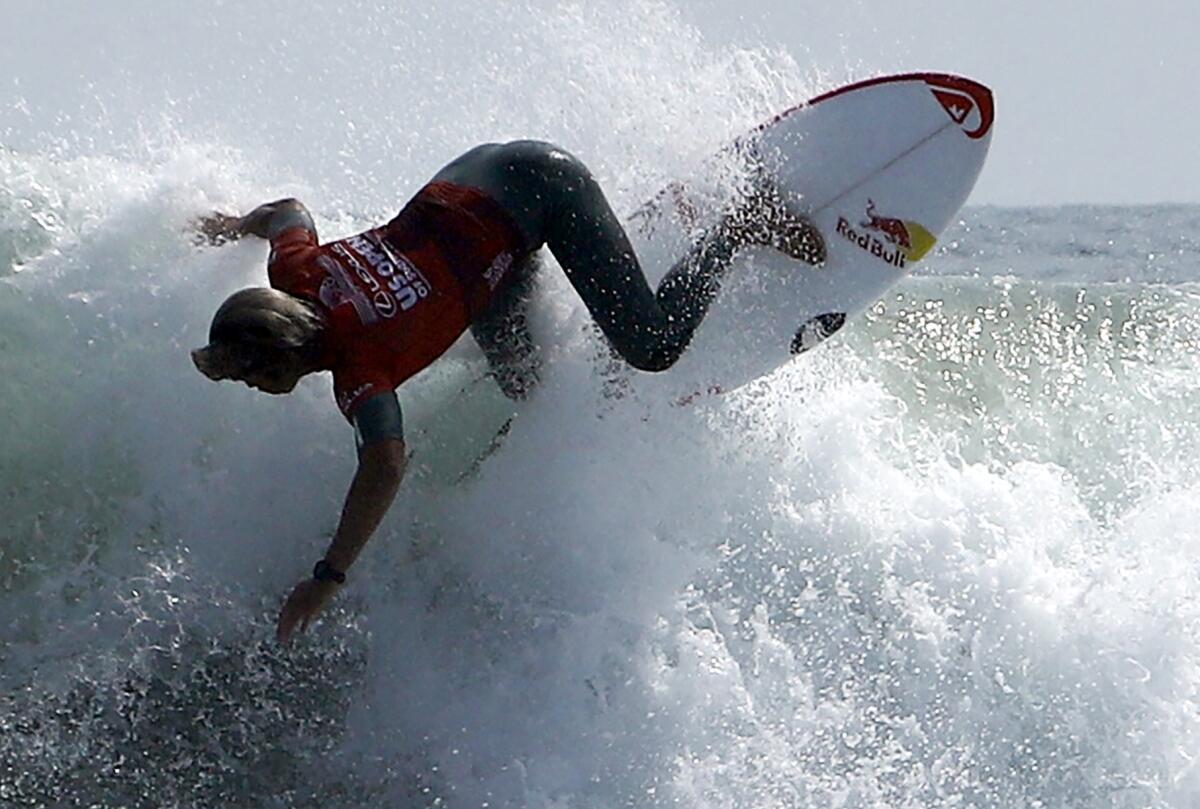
(459, 255)
(555, 202)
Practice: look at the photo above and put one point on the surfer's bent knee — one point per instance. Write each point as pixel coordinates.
(652, 358)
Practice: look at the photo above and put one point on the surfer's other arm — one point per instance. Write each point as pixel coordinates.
(266, 221)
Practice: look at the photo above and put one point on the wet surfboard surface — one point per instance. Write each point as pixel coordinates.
(880, 167)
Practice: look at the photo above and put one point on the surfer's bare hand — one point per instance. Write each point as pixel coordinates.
(218, 228)
(307, 599)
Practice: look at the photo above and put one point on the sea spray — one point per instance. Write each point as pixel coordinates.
(947, 560)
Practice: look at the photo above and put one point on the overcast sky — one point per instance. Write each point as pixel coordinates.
(1096, 101)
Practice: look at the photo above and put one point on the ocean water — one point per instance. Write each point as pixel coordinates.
(948, 560)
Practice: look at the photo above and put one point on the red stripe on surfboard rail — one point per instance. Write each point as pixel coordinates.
(976, 92)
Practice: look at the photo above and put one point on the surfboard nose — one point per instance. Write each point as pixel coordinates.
(968, 103)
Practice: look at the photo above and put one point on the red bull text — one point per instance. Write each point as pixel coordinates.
(895, 256)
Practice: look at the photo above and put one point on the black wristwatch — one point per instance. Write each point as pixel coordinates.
(323, 571)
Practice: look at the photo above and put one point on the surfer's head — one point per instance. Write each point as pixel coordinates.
(263, 337)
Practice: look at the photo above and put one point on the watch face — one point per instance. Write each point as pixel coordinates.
(323, 571)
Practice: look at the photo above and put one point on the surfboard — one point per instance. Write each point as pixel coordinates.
(880, 167)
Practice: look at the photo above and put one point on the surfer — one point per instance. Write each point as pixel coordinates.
(380, 306)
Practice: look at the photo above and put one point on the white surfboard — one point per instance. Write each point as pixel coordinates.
(881, 167)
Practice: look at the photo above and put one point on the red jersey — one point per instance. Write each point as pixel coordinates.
(396, 297)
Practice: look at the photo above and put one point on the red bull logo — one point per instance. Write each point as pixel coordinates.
(891, 240)
(894, 230)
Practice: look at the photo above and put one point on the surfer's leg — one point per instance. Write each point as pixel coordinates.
(496, 169)
(555, 201)
(503, 332)
(649, 329)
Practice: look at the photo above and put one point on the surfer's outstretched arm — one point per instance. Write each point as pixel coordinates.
(381, 464)
(380, 470)
(266, 221)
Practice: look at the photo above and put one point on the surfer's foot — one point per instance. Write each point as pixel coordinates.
(762, 219)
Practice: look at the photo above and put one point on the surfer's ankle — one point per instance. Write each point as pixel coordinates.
(800, 239)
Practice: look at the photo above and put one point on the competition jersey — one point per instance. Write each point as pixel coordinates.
(396, 297)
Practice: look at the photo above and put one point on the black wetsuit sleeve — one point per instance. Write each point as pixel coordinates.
(378, 419)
